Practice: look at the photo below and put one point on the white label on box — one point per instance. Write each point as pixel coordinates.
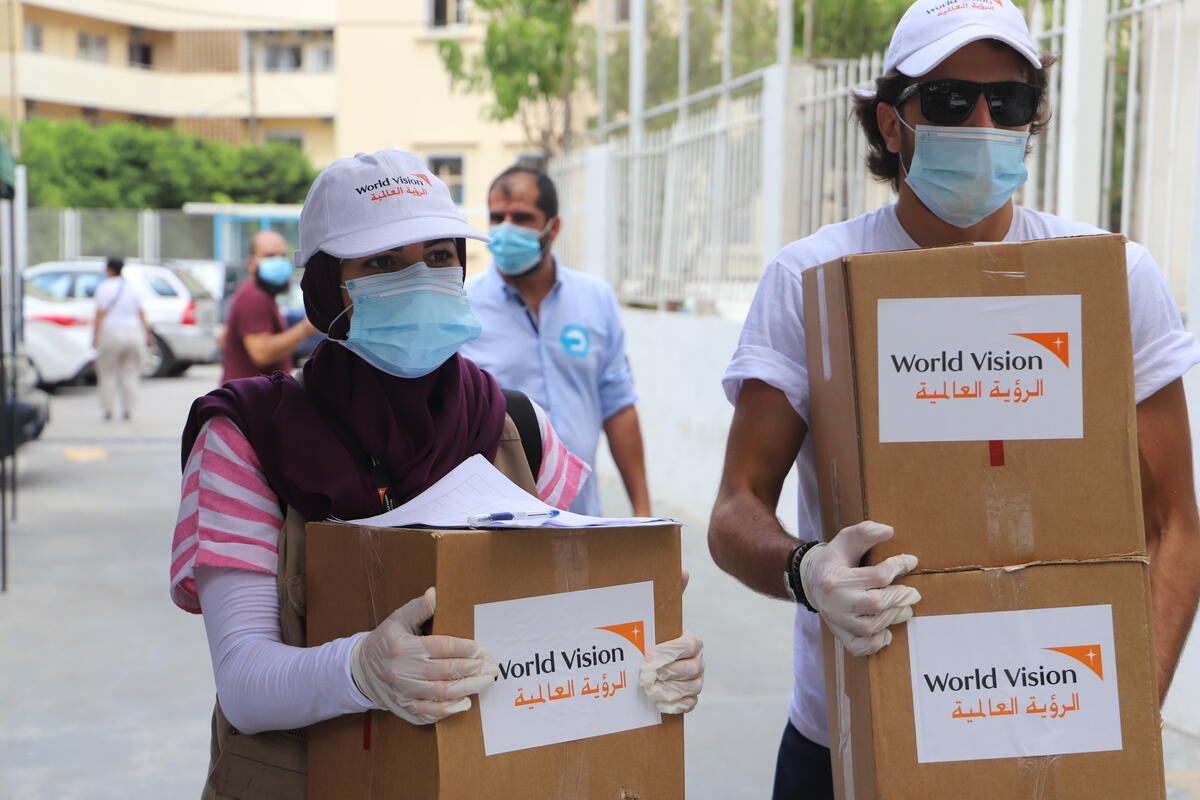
(955, 369)
(568, 666)
(1007, 684)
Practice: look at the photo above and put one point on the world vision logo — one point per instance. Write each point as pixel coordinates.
(1057, 343)
(1021, 676)
(951, 6)
(593, 654)
(1087, 654)
(416, 184)
(633, 631)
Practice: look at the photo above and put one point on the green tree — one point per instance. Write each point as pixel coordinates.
(127, 165)
(528, 64)
(275, 172)
(849, 28)
(752, 43)
(662, 57)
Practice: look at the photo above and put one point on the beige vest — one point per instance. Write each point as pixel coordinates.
(273, 765)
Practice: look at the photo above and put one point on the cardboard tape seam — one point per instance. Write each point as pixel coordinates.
(1083, 562)
(823, 320)
(373, 568)
(844, 733)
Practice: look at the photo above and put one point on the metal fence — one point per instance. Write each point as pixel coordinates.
(830, 149)
(687, 199)
(63, 233)
(682, 203)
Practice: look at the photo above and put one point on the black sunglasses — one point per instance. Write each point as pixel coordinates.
(949, 101)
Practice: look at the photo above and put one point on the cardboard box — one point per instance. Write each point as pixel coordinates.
(875, 701)
(357, 576)
(979, 399)
(986, 480)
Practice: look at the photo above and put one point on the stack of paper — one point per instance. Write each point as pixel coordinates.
(477, 487)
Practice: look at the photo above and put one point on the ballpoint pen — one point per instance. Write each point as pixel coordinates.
(505, 516)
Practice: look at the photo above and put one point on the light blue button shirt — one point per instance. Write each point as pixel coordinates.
(570, 359)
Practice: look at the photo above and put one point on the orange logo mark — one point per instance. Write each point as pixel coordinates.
(633, 631)
(1086, 654)
(1056, 343)
(424, 178)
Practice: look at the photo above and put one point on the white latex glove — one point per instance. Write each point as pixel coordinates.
(419, 678)
(672, 674)
(858, 603)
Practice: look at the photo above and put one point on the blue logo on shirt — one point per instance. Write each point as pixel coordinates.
(575, 340)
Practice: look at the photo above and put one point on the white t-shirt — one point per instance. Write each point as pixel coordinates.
(772, 350)
(121, 305)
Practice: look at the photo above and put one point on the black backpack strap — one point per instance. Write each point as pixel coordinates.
(520, 410)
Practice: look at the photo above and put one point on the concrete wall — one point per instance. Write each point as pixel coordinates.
(317, 136)
(678, 360)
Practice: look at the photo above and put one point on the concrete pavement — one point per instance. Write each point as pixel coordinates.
(106, 687)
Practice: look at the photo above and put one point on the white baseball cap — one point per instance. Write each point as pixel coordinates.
(931, 30)
(373, 202)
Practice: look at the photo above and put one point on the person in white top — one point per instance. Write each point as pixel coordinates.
(926, 110)
(118, 333)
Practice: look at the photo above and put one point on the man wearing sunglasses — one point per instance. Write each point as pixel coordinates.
(948, 126)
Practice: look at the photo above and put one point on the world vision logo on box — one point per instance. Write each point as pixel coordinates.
(986, 680)
(1007, 389)
(1057, 343)
(415, 184)
(598, 653)
(1022, 676)
(980, 368)
(1012, 684)
(582, 672)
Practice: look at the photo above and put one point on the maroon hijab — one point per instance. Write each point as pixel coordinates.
(315, 442)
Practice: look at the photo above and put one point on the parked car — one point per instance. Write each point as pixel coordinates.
(30, 405)
(59, 310)
(218, 278)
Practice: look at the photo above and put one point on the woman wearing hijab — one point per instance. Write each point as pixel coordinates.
(386, 408)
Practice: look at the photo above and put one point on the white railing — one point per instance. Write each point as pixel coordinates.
(831, 149)
(1150, 109)
(684, 206)
(683, 200)
(569, 172)
(688, 207)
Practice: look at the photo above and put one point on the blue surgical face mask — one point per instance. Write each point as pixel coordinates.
(275, 270)
(964, 175)
(408, 323)
(516, 250)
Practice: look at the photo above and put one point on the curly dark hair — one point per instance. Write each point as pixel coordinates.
(884, 164)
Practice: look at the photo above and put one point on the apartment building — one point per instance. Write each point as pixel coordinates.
(208, 68)
(333, 77)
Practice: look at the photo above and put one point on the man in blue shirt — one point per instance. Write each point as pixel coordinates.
(554, 334)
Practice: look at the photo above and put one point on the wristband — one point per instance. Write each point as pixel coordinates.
(792, 580)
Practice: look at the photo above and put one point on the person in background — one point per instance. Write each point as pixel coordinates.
(948, 126)
(255, 339)
(386, 409)
(555, 334)
(119, 334)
